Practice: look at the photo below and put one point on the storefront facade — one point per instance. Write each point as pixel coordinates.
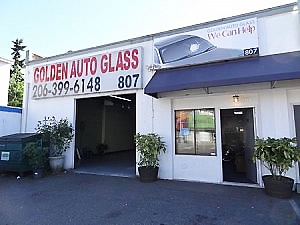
(206, 124)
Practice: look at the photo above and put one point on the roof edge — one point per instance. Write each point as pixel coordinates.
(8, 61)
(10, 109)
(260, 13)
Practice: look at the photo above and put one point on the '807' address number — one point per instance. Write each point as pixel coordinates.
(251, 51)
(63, 88)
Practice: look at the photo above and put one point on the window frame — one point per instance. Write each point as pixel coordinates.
(195, 143)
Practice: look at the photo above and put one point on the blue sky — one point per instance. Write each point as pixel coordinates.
(51, 27)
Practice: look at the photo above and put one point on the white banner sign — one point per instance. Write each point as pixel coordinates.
(222, 42)
(99, 73)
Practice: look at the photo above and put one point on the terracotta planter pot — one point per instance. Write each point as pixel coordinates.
(278, 188)
(148, 174)
(56, 163)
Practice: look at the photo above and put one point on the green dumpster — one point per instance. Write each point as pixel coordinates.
(11, 151)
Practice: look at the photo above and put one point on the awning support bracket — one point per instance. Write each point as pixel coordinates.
(206, 90)
(273, 84)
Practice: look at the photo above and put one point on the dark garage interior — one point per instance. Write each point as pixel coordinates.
(104, 137)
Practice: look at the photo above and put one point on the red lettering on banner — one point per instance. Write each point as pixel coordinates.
(64, 72)
(79, 71)
(86, 61)
(42, 74)
(135, 58)
(47, 77)
(119, 61)
(93, 62)
(104, 64)
(36, 75)
(111, 68)
(109, 63)
(58, 71)
(127, 60)
(52, 72)
(73, 70)
(213, 35)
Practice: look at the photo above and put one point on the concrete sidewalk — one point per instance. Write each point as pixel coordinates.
(79, 199)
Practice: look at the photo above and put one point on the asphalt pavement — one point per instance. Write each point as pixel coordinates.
(80, 199)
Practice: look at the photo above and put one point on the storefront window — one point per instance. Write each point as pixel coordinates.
(195, 132)
(185, 140)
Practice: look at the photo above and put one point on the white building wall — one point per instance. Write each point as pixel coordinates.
(163, 125)
(293, 96)
(276, 118)
(10, 122)
(4, 82)
(279, 33)
(197, 168)
(60, 108)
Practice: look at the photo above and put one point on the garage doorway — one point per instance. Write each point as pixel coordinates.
(104, 137)
(237, 126)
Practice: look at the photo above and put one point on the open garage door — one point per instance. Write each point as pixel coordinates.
(105, 129)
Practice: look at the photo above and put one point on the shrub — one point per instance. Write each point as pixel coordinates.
(277, 155)
(149, 146)
(57, 135)
(36, 155)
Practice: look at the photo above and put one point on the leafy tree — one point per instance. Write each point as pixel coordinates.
(15, 92)
(16, 82)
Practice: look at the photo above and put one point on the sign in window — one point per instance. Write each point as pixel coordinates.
(195, 132)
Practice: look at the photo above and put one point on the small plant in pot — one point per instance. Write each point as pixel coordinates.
(278, 156)
(57, 135)
(37, 158)
(149, 146)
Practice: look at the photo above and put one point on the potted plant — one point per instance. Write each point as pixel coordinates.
(149, 146)
(37, 158)
(277, 155)
(57, 135)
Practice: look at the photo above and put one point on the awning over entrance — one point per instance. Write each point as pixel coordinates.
(284, 66)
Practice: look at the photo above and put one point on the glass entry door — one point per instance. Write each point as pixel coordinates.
(237, 126)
